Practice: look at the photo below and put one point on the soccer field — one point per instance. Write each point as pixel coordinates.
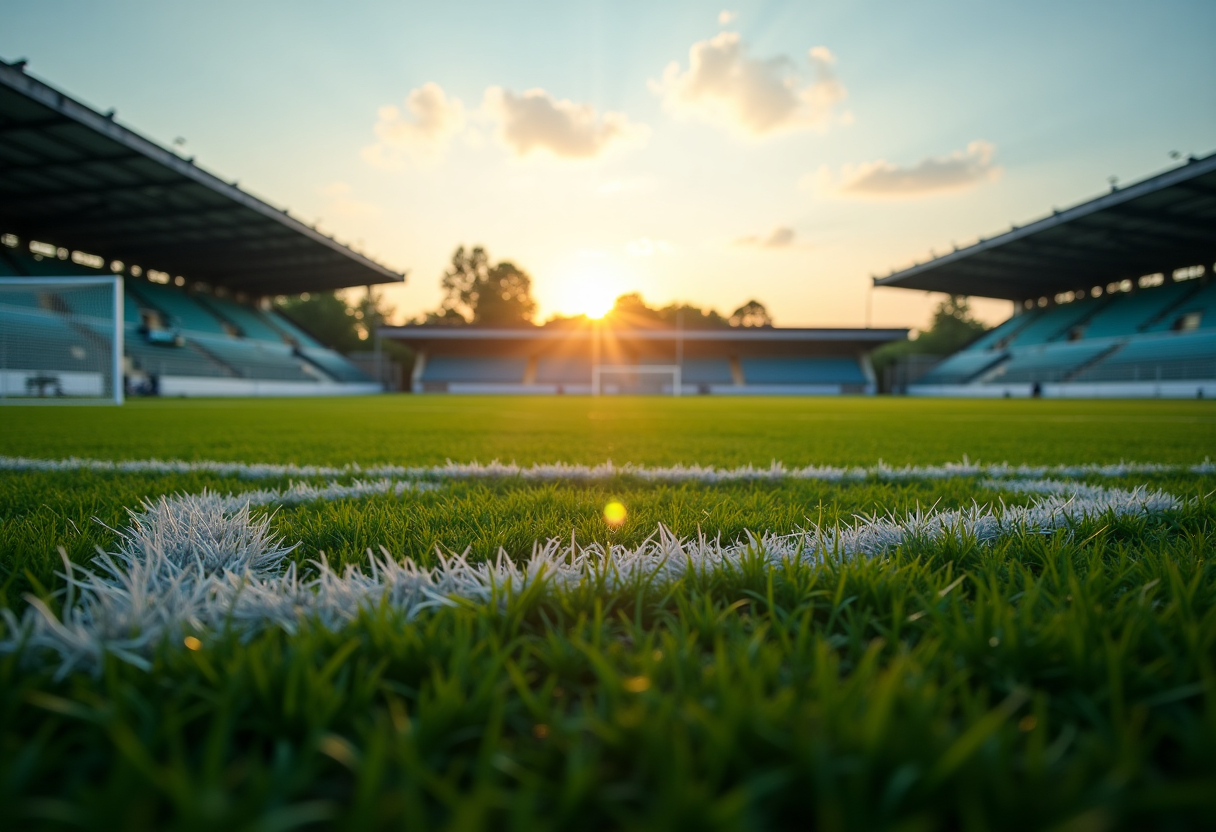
(452, 613)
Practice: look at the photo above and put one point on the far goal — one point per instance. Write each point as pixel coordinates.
(61, 340)
(627, 377)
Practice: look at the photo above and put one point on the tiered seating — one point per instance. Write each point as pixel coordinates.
(182, 311)
(334, 364)
(282, 324)
(496, 370)
(255, 359)
(1128, 313)
(1006, 330)
(962, 367)
(1055, 323)
(1049, 362)
(247, 320)
(171, 360)
(563, 371)
(1164, 358)
(38, 340)
(705, 371)
(802, 371)
(1202, 301)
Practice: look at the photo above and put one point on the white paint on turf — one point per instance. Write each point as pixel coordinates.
(203, 563)
(776, 472)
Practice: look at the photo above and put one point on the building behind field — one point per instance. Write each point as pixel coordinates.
(597, 357)
(1112, 298)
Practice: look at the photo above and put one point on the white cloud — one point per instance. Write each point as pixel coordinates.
(779, 237)
(424, 134)
(535, 121)
(342, 203)
(883, 179)
(646, 247)
(725, 18)
(755, 96)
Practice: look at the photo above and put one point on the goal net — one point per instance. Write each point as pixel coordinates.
(635, 378)
(61, 340)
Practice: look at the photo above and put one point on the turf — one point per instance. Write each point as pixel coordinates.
(1061, 682)
(654, 431)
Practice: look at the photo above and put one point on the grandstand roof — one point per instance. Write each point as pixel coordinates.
(1159, 224)
(72, 176)
(852, 339)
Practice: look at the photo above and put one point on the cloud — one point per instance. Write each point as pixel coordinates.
(342, 203)
(779, 237)
(536, 121)
(725, 18)
(424, 134)
(882, 179)
(755, 96)
(646, 247)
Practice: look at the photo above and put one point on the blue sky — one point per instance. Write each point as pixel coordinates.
(692, 151)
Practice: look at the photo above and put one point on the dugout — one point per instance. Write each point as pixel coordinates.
(1112, 297)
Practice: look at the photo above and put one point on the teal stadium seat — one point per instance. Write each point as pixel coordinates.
(802, 371)
(476, 370)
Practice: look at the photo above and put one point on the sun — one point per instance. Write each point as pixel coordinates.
(591, 293)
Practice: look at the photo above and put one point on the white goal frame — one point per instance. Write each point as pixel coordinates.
(116, 371)
(598, 371)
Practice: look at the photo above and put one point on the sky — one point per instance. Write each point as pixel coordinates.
(690, 151)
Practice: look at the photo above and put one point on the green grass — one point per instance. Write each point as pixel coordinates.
(1064, 682)
(655, 431)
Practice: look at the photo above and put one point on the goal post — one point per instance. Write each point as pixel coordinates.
(598, 371)
(61, 340)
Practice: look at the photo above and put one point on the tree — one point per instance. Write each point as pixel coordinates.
(632, 310)
(336, 321)
(751, 314)
(476, 292)
(950, 329)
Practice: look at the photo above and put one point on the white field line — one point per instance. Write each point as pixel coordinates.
(194, 563)
(777, 471)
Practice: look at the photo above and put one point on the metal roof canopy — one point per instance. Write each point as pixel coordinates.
(504, 341)
(73, 177)
(1159, 224)
(866, 337)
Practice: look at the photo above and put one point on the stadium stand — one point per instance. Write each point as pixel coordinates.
(1135, 316)
(635, 360)
(447, 368)
(76, 177)
(802, 371)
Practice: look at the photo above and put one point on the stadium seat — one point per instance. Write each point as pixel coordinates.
(180, 310)
(334, 364)
(705, 371)
(1055, 323)
(1160, 358)
(46, 341)
(802, 371)
(253, 359)
(962, 367)
(500, 370)
(1201, 300)
(286, 326)
(1003, 331)
(1048, 362)
(563, 371)
(244, 318)
(1128, 313)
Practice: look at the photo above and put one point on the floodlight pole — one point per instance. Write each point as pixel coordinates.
(119, 308)
(679, 351)
(596, 323)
